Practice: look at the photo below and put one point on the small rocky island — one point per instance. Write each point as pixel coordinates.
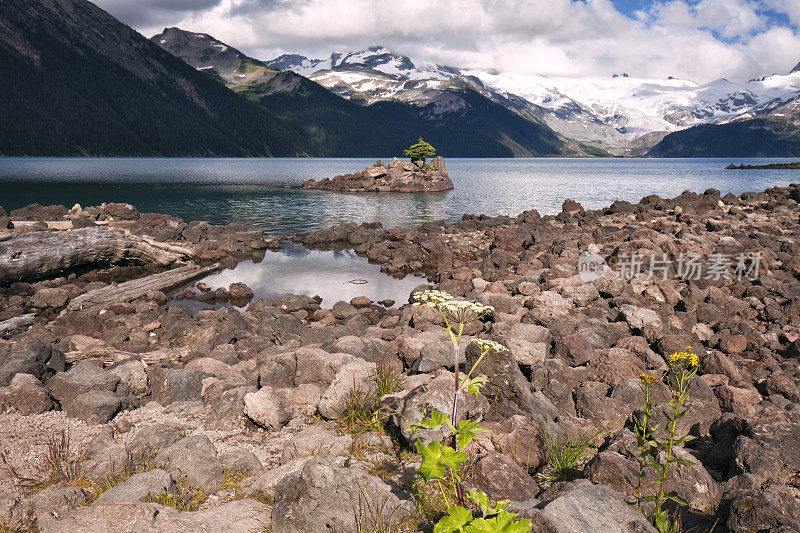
(397, 176)
(771, 166)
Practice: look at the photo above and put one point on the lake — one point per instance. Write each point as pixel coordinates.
(264, 193)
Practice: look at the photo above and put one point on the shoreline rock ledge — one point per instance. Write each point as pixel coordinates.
(397, 176)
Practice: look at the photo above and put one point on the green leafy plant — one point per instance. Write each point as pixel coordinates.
(442, 460)
(420, 151)
(678, 377)
(565, 451)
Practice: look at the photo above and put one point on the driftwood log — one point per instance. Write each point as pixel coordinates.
(130, 290)
(16, 325)
(42, 254)
(109, 356)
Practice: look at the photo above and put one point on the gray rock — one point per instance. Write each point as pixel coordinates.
(606, 413)
(356, 375)
(175, 384)
(240, 459)
(32, 357)
(84, 377)
(93, 407)
(238, 516)
(58, 499)
(138, 487)
(132, 374)
(643, 320)
(501, 478)
(315, 440)
(506, 382)
(323, 498)
(25, 395)
(194, 458)
(269, 408)
(592, 509)
(343, 310)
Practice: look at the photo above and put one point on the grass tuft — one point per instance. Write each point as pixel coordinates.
(361, 412)
(60, 465)
(565, 452)
(188, 498)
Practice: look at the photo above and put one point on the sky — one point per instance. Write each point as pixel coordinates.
(699, 40)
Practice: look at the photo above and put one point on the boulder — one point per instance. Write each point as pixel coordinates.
(194, 458)
(315, 440)
(138, 487)
(501, 478)
(84, 377)
(93, 407)
(322, 497)
(238, 516)
(25, 395)
(590, 509)
(356, 375)
(30, 357)
(506, 383)
(268, 407)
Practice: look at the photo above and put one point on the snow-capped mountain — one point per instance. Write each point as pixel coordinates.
(620, 114)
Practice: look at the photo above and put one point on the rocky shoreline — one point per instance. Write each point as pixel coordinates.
(770, 166)
(222, 420)
(397, 176)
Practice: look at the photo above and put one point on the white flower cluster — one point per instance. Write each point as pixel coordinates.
(457, 311)
(431, 298)
(489, 346)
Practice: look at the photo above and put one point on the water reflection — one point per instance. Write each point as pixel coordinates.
(328, 274)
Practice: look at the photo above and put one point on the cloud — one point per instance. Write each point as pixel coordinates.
(697, 39)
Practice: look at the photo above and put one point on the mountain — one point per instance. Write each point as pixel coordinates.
(75, 81)
(617, 114)
(774, 134)
(458, 119)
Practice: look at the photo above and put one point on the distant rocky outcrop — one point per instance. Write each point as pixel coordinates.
(397, 176)
(770, 166)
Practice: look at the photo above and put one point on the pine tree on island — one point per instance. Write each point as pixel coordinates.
(420, 151)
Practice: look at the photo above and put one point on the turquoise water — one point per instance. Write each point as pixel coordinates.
(255, 190)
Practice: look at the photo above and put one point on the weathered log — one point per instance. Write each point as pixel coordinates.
(16, 325)
(109, 356)
(42, 254)
(136, 288)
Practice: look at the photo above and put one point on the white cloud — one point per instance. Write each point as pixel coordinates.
(698, 40)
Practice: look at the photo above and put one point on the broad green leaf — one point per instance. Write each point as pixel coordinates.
(684, 462)
(436, 457)
(454, 521)
(433, 422)
(502, 523)
(466, 432)
(485, 505)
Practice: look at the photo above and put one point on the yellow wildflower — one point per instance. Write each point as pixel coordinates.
(647, 379)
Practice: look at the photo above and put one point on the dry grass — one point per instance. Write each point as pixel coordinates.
(60, 465)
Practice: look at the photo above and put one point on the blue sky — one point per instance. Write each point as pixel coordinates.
(692, 39)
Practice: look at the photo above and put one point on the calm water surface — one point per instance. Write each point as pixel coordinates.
(331, 275)
(255, 190)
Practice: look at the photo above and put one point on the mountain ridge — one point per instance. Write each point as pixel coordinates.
(76, 81)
